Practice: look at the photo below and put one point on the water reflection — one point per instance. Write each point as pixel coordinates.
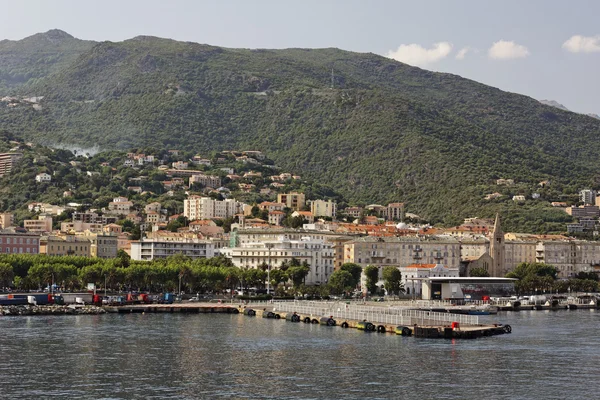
(549, 355)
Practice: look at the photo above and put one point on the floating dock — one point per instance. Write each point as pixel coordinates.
(431, 325)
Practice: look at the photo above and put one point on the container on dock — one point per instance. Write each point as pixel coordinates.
(168, 299)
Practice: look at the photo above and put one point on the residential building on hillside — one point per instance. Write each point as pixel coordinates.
(587, 196)
(354, 212)
(197, 207)
(307, 215)
(587, 211)
(323, 208)
(80, 226)
(152, 207)
(8, 161)
(90, 217)
(212, 181)
(316, 253)
(395, 212)
(270, 206)
(150, 249)
(294, 201)
(276, 217)
(6, 220)
(206, 227)
(43, 177)
(120, 207)
(40, 225)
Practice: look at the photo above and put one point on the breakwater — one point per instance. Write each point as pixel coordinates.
(16, 310)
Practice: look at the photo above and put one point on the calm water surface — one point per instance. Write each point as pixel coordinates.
(549, 355)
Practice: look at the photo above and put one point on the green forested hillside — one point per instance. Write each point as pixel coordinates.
(385, 131)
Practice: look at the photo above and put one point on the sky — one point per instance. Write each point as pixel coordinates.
(545, 49)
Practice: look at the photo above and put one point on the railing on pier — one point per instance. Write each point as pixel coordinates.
(383, 315)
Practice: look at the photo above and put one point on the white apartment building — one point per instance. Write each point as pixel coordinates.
(316, 253)
(150, 249)
(197, 207)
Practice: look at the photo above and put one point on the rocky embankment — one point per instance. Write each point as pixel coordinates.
(50, 310)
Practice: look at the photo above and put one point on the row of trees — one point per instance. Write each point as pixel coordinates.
(34, 272)
(348, 276)
(542, 278)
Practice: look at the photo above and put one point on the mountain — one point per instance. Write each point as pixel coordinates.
(593, 115)
(25, 61)
(373, 128)
(554, 103)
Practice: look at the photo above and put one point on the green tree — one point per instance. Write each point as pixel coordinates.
(479, 272)
(355, 270)
(341, 281)
(372, 276)
(6, 274)
(392, 280)
(297, 274)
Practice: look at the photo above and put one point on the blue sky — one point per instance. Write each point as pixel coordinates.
(546, 49)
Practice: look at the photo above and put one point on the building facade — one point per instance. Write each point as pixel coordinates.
(197, 207)
(150, 249)
(294, 201)
(19, 243)
(323, 208)
(317, 254)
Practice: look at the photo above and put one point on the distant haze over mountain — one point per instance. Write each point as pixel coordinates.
(375, 129)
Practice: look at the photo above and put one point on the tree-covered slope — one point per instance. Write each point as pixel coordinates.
(385, 131)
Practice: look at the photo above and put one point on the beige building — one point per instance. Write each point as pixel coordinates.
(6, 220)
(40, 225)
(80, 226)
(323, 208)
(67, 245)
(120, 207)
(294, 201)
(403, 251)
(152, 207)
(206, 180)
(197, 207)
(8, 161)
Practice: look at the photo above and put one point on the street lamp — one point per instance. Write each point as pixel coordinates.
(269, 247)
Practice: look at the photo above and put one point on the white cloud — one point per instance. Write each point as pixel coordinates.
(462, 53)
(506, 50)
(415, 54)
(582, 44)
